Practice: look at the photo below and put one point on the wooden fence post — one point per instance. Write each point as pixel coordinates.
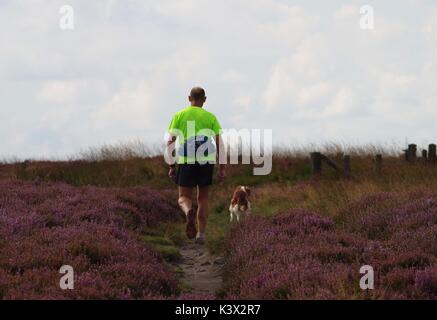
(411, 153)
(347, 165)
(378, 163)
(316, 163)
(424, 155)
(432, 153)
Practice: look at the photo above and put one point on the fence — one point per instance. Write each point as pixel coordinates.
(317, 160)
(429, 155)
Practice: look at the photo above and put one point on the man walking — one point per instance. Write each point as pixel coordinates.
(196, 130)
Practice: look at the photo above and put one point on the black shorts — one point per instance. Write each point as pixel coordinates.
(195, 174)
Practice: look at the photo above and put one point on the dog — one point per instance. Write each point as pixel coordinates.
(240, 203)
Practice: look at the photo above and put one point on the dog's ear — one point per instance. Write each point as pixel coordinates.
(247, 190)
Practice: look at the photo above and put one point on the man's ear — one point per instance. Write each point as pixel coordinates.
(189, 98)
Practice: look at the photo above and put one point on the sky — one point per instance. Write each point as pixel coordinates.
(305, 69)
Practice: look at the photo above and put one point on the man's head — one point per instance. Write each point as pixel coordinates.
(197, 97)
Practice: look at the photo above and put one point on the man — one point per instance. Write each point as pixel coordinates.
(196, 128)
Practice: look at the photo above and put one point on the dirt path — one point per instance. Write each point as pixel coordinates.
(201, 271)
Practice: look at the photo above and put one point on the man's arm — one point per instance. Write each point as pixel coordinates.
(170, 156)
(220, 158)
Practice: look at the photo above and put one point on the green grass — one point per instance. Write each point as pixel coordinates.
(166, 239)
(218, 226)
(106, 173)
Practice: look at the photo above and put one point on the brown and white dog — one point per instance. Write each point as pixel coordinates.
(240, 203)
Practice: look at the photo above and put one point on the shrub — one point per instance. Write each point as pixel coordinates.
(300, 255)
(45, 226)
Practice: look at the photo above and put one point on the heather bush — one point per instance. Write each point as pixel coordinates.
(292, 256)
(385, 220)
(45, 226)
(426, 281)
(301, 255)
(195, 296)
(49, 205)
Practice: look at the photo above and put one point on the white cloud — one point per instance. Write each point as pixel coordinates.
(430, 26)
(305, 70)
(342, 103)
(293, 24)
(233, 76)
(133, 105)
(244, 101)
(58, 92)
(347, 11)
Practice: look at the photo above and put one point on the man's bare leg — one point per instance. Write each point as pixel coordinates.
(202, 211)
(186, 204)
(185, 199)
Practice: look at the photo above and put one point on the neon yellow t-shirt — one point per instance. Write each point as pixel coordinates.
(190, 123)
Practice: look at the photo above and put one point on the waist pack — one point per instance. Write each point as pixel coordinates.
(194, 144)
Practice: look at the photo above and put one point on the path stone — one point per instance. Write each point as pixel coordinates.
(200, 270)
